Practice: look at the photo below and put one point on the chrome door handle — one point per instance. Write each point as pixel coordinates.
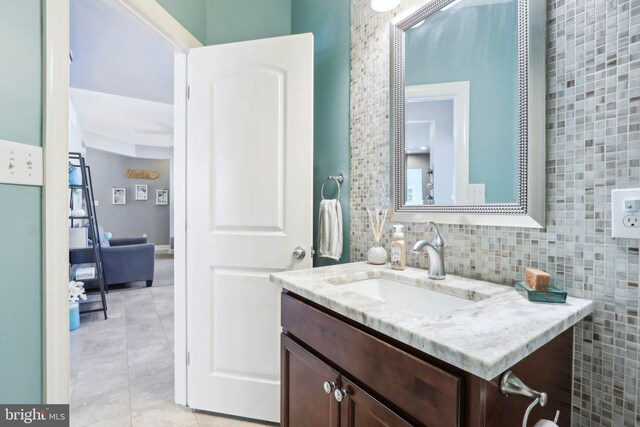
(340, 395)
(299, 253)
(329, 386)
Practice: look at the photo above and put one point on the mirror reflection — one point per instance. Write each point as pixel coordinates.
(461, 130)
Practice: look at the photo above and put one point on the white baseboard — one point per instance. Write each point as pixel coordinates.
(163, 249)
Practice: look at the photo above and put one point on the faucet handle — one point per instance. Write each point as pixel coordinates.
(437, 238)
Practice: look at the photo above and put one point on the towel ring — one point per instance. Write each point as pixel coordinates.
(334, 178)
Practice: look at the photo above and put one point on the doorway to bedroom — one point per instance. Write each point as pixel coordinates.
(121, 123)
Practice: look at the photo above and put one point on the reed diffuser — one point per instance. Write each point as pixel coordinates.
(377, 217)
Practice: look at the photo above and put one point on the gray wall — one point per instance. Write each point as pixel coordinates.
(593, 81)
(137, 217)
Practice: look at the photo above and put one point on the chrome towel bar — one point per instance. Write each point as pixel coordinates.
(339, 179)
(511, 384)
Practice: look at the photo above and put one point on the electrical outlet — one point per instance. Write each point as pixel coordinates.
(625, 213)
(630, 221)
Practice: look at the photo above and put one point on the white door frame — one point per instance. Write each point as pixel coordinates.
(459, 93)
(55, 324)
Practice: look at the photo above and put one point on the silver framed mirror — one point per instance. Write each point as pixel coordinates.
(468, 113)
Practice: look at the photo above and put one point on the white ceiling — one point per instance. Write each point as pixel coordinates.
(118, 118)
(421, 115)
(417, 137)
(115, 53)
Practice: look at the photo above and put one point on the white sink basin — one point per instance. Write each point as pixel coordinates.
(413, 298)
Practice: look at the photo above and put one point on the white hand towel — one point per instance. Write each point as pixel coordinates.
(330, 229)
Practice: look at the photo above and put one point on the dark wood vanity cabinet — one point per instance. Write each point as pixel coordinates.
(303, 384)
(359, 409)
(338, 373)
(310, 387)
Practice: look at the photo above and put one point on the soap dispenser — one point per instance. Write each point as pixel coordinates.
(398, 249)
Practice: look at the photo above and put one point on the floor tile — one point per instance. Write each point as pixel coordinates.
(158, 350)
(104, 344)
(123, 420)
(84, 326)
(137, 341)
(123, 367)
(146, 395)
(144, 316)
(166, 291)
(76, 344)
(166, 414)
(151, 371)
(86, 411)
(101, 375)
(208, 419)
(110, 324)
(114, 311)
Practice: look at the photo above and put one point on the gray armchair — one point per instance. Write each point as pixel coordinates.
(124, 260)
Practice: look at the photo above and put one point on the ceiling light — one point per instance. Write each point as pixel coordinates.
(384, 5)
(423, 148)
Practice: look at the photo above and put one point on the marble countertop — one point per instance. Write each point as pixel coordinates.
(485, 338)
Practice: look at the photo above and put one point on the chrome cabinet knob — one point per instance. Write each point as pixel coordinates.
(299, 253)
(329, 386)
(340, 395)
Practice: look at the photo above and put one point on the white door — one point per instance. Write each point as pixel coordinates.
(249, 205)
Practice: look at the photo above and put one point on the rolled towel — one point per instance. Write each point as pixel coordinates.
(330, 229)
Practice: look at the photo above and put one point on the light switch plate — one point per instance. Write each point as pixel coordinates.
(476, 194)
(20, 164)
(625, 224)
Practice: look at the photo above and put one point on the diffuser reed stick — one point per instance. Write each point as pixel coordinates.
(377, 218)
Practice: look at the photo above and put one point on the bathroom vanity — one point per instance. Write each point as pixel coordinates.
(367, 346)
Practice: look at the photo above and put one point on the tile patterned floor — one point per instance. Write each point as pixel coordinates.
(122, 368)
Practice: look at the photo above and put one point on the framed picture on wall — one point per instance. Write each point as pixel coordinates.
(141, 192)
(162, 197)
(119, 196)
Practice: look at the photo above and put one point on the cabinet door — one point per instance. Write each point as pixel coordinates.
(359, 409)
(305, 402)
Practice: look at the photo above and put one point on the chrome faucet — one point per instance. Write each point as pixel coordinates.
(435, 249)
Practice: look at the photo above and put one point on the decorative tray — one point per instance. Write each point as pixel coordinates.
(553, 295)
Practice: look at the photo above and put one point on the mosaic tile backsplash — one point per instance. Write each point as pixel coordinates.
(593, 146)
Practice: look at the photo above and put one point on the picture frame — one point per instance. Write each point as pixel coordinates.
(162, 197)
(141, 192)
(119, 196)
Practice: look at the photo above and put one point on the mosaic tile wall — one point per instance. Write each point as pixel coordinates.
(593, 146)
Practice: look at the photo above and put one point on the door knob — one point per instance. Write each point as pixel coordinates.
(340, 395)
(329, 386)
(299, 253)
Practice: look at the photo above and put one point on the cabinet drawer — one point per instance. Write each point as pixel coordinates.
(424, 392)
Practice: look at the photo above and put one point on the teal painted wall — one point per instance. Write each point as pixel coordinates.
(211, 21)
(231, 21)
(20, 206)
(228, 21)
(192, 14)
(329, 21)
(464, 46)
